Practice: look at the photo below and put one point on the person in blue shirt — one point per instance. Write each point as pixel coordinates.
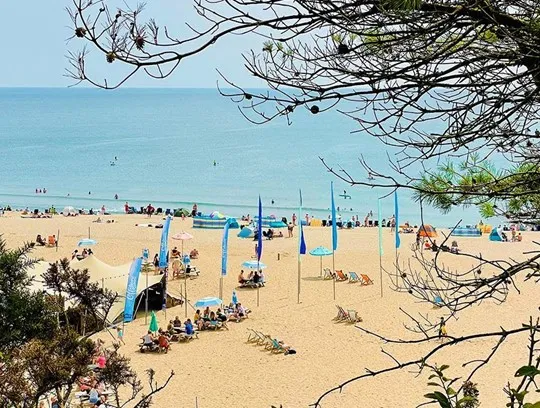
(189, 327)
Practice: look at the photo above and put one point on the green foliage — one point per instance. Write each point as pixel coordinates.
(401, 5)
(479, 183)
(446, 397)
(24, 314)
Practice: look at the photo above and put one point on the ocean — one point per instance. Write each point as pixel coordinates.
(165, 142)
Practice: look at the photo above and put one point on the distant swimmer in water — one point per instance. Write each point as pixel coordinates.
(215, 163)
(272, 202)
(116, 196)
(68, 194)
(344, 192)
(370, 176)
(89, 192)
(115, 158)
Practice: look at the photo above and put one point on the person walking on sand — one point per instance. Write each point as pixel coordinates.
(290, 228)
(120, 335)
(294, 219)
(443, 333)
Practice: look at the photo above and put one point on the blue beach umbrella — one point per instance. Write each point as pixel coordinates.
(234, 297)
(253, 265)
(87, 242)
(208, 302)
(320, 252)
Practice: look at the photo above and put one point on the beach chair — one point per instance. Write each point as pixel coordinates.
(366, 280)
(354, 278)
(342, 314)
(328, 274)
(340, 276)
(339, 315)
(253, 336)
(353, 317)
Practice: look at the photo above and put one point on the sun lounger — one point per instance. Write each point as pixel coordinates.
(354, 278)
(353, 317)
(342, 315)
(275, 347)
(340, 276)
(366, 280)
(328, 274)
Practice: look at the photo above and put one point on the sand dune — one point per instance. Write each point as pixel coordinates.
(222, 370)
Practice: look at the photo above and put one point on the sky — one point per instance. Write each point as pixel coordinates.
(35, 46)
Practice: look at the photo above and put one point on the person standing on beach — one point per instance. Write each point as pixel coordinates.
(290, 228)
(442, 330)
(294, 219)
(126, 208)
(120, 335)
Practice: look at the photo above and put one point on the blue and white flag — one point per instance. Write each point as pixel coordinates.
(164, 247)
(131, 291)
(224, 248)
(396, 210)
(334, 221)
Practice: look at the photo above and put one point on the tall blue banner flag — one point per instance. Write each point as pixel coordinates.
(396, 210)
(259, 230)
(131, 291)
(334, 225)
(224, 246)
(302, 242)
(164, 248)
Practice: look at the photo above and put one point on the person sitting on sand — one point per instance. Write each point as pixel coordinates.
(163, 342)
(148, 339)
(519, 238)
(177, 322)
(241, 278)
(454, 249)
(170, 328)
(194, 254)
(241, 311)
(197, 319)
(256, 278)
(221, 316)
(434, 246)
(74, 254)
(175, 252)
(189, 327)
(206, 313)
(261, 278)
(40, 240)
(212, 321)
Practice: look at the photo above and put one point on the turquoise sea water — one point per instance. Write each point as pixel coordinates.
(166, 141)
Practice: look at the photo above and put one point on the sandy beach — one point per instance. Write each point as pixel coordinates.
(221, 370)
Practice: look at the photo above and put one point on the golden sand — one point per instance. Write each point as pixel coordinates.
(221, 370)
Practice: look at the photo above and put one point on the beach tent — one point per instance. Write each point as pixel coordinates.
(216, 221)
(246, 232)
(495, 235)
(69, 211)
(277, 224)
(466, 232)
(110, 277)
(181, 211)
(427, 231)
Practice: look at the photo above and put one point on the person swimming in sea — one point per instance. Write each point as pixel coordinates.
(116, 196)
(215, 163)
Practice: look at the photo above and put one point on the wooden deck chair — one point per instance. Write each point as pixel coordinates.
(354, 278)
(339, 314)
(340, 276)
(366, 280)
(275, 347)
(353, 317)
(344, 314)
(253, 336)
(328, 274)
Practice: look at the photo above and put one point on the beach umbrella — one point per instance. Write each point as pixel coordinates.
(208, 301)
(253, 265)
(153, 323)
(87, 242)
(320, 252)
(182, 236)
(234, 297)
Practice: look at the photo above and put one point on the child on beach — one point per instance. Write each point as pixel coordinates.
(120, 335)
(442, 330)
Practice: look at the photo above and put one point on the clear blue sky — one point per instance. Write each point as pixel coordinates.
(34, 47)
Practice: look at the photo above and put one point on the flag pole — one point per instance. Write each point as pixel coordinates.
(333, 274)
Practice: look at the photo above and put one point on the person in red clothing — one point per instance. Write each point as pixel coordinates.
(126, 208)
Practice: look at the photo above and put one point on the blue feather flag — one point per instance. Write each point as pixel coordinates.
(334, 225)
(301, 240)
